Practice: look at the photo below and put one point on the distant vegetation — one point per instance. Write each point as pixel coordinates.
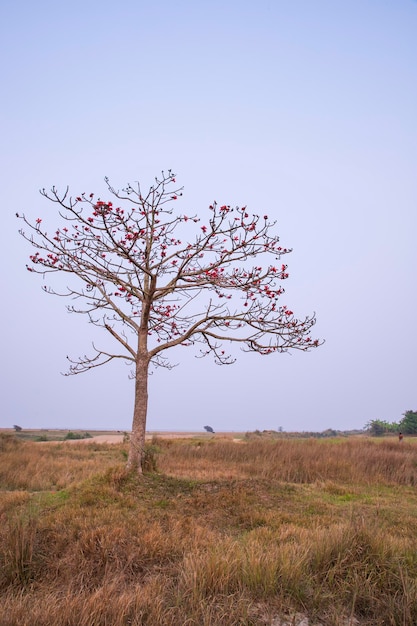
(307, 434)
(71, 435)
(54, 434)
(219, 533)
(407, 426)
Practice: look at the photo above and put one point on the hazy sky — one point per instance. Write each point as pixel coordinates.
(303, 110)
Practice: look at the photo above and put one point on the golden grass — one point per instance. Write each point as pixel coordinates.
(38, 466)
(297, 461)
(224, 534)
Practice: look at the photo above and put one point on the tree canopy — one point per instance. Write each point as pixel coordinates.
(407, 425)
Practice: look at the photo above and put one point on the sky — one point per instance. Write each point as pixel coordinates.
(302, 110)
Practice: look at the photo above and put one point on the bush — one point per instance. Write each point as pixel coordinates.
(71, 435)
(149, 463)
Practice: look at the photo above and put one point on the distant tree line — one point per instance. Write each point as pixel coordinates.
(407, 426)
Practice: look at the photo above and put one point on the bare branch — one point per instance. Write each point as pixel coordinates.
(86, 363)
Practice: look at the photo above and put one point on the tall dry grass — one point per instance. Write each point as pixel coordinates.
(350, 460)
(39, 466)
(240, 541)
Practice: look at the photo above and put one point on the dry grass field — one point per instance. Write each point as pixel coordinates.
(265, 532)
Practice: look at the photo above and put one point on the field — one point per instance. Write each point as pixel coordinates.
(227, 531)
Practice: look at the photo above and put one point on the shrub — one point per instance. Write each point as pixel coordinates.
(71, 435)
(149, 463)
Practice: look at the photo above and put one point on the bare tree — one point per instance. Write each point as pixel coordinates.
(154, 283)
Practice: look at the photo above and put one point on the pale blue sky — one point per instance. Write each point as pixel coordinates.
(303, 110)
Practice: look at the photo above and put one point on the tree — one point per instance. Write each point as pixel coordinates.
(151, 286)
(377, 428)
(408, 424)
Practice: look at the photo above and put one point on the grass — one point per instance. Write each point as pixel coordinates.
(223, 533)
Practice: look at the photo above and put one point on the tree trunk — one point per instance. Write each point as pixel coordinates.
(137, 438)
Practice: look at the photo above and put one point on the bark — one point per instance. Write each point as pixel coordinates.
(137, 438)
